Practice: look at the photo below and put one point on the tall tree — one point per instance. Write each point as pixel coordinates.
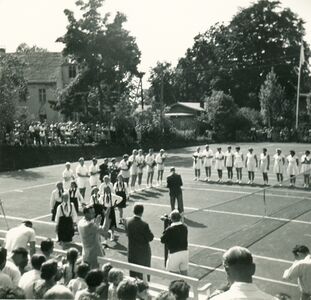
(26, 49)
(107, 56)
(272, 100)
(13, 88)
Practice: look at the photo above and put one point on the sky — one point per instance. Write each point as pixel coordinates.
(164, 29)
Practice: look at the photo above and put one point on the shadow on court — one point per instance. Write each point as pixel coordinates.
(25, 175)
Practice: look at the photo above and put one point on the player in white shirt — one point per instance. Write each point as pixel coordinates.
(82, 176)
(160, 159)
(133, 169)
(219, 163)
(140, 166)
(67, 176)
(125, 168)
(292, 167)
(94, 173)
(251, 163)
(264, 165)
(208, 160)
(56, 198)
(229, 163)
(238, 163)
(21, 236)
(197, 163)
(306, 168)
(278, 167)
(150, 162)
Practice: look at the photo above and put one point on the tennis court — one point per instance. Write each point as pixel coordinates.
(269, 221)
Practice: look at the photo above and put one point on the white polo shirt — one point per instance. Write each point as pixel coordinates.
(19, 236)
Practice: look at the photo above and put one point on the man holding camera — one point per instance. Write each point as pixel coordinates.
(175, 238)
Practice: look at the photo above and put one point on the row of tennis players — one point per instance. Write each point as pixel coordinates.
(235, 159)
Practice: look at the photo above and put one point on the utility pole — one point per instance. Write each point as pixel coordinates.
(161, 103)
(140, 87)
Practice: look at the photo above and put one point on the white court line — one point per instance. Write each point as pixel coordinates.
(41, 217)
(23, 219)
(27, 188)
(231, 213)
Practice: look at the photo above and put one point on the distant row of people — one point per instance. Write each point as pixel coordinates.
(236, 159)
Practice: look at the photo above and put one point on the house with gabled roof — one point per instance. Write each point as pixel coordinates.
(184, 114)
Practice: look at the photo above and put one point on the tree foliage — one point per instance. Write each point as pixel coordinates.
(13, 88)
(26, 49)
(107, 56)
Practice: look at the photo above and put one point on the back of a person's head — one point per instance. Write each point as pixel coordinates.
(82, 270)
(180, 289)
(72, 255)
(138, 209)
(175, 216)
(105, 269)
(37, 260)
(115, 276)
(127, 289)
(165, 295)
(14, 292)
(236, 256)
(47, 245)
(58, 291)
(49, 269)
(94, 278)
(301, 249)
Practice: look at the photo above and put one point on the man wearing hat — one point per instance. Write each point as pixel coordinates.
(21, 236)
(125, 168)
(67, 176)
(94, 172)
(174, 183)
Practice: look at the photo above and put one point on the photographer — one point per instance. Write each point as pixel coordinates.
(175, 237)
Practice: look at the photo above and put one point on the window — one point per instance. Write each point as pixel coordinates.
(72, 71)
(42, 96)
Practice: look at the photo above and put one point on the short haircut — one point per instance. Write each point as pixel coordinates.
(237, 256)
(58, 291)
(94, 278)
(138, 209)
(180, 289)
(37, 260)
(72, 254)
(47, 245)
(27, 223)
(49, 269)
(141, 285)
(175, 216)
(3, 254)
(87, 209)
(20, 250)
(105, 269)
(127, 290)
(82, 270)
(292, 152)
(300, 249)
(115, 276)
(14, 292)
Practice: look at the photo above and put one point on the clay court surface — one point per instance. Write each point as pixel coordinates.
(270, 222)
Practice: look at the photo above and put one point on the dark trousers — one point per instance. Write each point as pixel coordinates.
(180, 204)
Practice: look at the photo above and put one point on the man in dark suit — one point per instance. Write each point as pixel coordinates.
(174, 183)
(139, 236)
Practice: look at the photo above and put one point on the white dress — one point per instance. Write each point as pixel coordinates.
(150, 160)
(292, 168)
(278, 167)
(124, 169)
(134, 165)
(197, 160)
(263, 163)
(208, 158)
(238, 160)
(219, 160)
(229, 159)
(67, 178)
(94, 179)
(305, 164)
(251, 162)
(140, 163)
(160, 161)
(82, 181)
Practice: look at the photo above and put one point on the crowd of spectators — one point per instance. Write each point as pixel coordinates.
(61, 133)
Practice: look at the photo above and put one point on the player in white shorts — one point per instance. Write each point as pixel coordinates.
(94, 173)
(238, 163)
(278, 167)
(133, 169)
(219, 163)
(306, 168)
(251, 163)
(67, 176)
(151, 163)
(125, 168)
(140, 166)
(197, 163)
(292, 167)
(160, 159)
(229, 163)
(264, 165)
(207, 163)
(82, 174)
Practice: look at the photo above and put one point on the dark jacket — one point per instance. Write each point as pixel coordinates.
(174, 183)
(175, 238)
(139, 236)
